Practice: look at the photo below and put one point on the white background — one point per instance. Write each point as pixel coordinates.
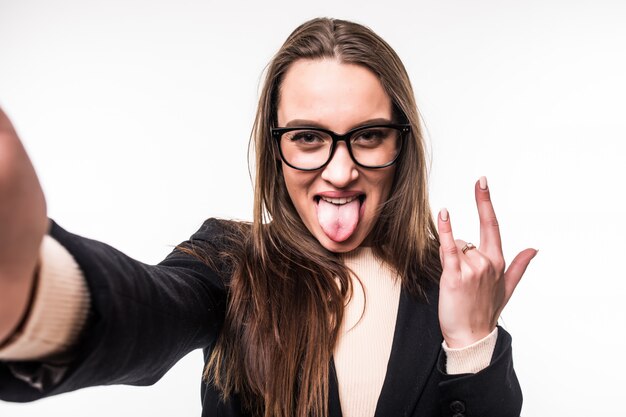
(137, 115)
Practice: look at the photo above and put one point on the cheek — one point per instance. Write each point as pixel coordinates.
(382, 182)
(298, 184)
(389, 180)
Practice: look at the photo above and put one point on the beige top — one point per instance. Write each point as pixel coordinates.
(59, 310)
(360, 359)
(61, 305)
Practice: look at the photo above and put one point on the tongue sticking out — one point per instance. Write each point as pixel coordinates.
(338, 220)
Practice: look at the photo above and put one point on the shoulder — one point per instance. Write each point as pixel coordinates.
(218, 243)
(220, 236)
(218, 231)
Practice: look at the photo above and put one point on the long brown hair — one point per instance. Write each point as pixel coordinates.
(286, 291)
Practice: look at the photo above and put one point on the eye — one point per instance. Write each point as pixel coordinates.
(370, 137)
(307, 137)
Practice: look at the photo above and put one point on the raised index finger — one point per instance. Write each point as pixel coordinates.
(490, 242)
(449, 251)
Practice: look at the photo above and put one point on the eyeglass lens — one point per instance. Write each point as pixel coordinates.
(310, 148)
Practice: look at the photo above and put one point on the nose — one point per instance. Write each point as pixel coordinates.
(341, 170)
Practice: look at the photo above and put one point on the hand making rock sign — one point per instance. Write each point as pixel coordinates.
(475, 286)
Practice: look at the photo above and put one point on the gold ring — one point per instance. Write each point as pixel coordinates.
(468, 246)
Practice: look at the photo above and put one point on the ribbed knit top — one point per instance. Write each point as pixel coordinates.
(366, 334)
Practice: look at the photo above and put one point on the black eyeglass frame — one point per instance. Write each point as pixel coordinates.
(277, 133)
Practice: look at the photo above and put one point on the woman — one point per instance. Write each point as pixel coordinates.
(335, 301)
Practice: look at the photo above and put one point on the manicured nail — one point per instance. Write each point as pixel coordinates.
(443, 213)
(482, 183)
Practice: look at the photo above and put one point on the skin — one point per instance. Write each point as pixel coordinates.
(23, 223)
(339, 97)
(474, 286)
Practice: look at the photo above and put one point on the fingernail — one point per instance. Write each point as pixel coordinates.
(443, 213)
(482, 183)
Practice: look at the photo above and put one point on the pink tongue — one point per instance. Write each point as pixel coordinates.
(338, 221)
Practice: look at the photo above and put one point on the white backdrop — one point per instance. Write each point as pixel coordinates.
(137, 114)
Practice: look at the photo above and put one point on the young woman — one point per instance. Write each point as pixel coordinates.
(341, 298)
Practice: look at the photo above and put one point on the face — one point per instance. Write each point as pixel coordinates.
(338, 203)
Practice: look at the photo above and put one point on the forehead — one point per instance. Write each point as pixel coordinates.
(332, 94)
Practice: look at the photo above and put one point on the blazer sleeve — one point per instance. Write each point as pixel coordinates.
(491, 392)
(143, 319)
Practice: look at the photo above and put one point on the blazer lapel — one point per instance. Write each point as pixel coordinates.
(334, 405)
(416, 345)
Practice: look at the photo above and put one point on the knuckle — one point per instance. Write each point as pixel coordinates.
(491, 220)
(484, 196)
(483, 268)
(499, 264)
(452, 250)
(484, 265)
(472, 275)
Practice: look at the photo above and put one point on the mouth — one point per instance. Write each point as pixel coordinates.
(339, 200)
(339, 213)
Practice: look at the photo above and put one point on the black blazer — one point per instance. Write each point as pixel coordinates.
(145, 318)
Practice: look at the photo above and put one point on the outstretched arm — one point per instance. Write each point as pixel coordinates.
(143, 317)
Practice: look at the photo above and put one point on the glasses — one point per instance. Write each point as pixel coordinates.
(312, 148)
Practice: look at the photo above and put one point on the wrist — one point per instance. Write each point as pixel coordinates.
(462, 340)
(17, 297)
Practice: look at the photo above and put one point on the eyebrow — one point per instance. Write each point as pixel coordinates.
(311, 123)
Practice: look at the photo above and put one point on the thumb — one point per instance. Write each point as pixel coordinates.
(514, 272)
